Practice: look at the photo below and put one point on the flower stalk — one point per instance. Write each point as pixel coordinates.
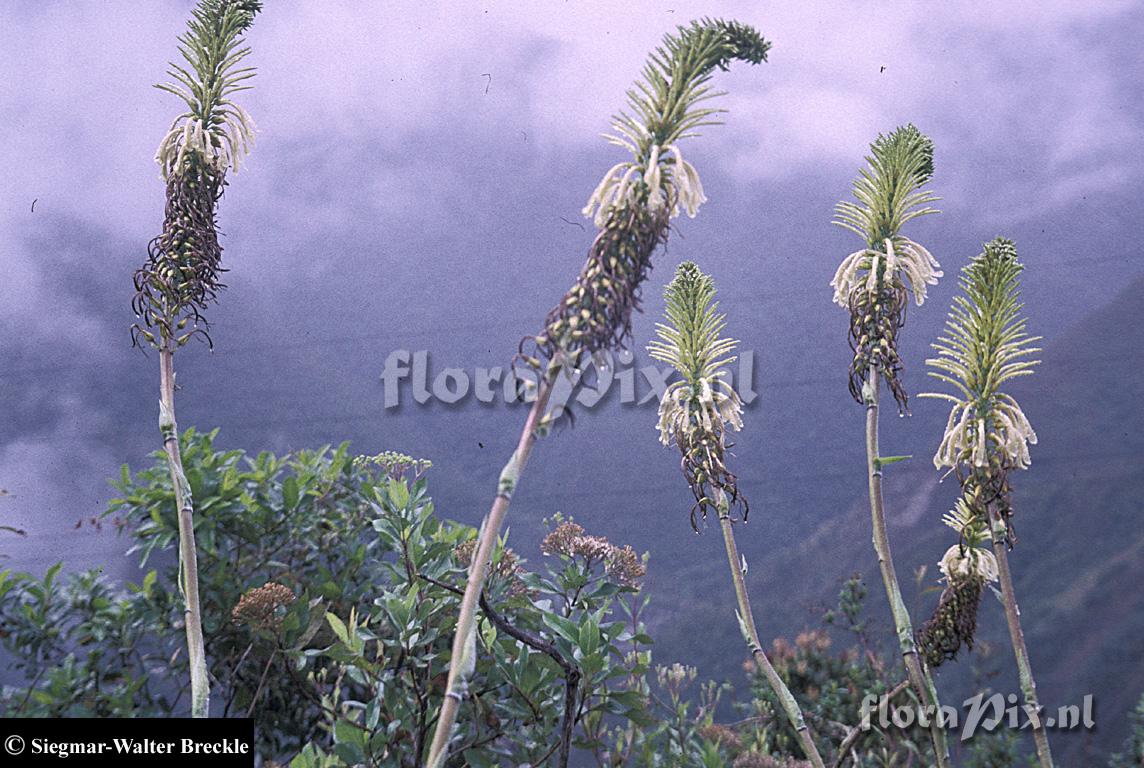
(874, 284)
(987, 435)
(181, 275)
(632, 207)
(696, 413)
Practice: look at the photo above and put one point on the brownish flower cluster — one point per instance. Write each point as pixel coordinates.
(954, 622)
(508, 569)
(721, 736)
(621, 564)
(596, 313)
(794, 656)
(258, 607)
(759, 760)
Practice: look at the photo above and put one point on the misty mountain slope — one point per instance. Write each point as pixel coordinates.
(1078, 563)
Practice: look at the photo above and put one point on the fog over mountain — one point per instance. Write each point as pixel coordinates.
(417, 185)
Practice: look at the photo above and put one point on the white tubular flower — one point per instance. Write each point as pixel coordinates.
(1014, 432)
(904, 259)
(961, 561)
(727, 402)
(919, 266)
(612, 191)
(846, 276)
(980, 455)
(674, 411)
(955, 442)
(652, 177)
(665, 168)
(688, 189)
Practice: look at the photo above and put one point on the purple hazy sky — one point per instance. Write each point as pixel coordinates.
(417, 166)
(417, 183)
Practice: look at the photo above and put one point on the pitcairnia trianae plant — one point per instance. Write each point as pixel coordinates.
(632, 208)
(181, 274)
(987, 435)
(695, 415)
(874, 285)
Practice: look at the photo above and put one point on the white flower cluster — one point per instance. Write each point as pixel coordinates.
(911, 259)
(719, 403)
(968, 561)
(221, 147)
(669, 179)
(966, 438)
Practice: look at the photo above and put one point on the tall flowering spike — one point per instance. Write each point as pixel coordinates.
(181, 276)
(985, 345)
(636, 199)
(698, 409)
(874, 283)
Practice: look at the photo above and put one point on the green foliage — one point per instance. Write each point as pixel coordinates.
(329, 594)
(985, 342)
(557, 649)
(664, 107)
(889, 190)
(1133, 754)
(690, 341)
(84, 648)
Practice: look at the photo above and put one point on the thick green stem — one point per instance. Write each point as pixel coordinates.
(751, 635)
(920, 678)
(463, 649)
(1017, 637)
(188, 559)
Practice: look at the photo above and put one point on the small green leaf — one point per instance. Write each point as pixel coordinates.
(339, 627)
(882, 461)
(566, 628)
(290, 492)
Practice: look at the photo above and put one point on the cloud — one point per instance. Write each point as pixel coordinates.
(337, 77)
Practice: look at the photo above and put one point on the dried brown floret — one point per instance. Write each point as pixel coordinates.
(561, 539)
(624, 567)
(508, 569)
(721, 736)
(258, 607)
(954, 622)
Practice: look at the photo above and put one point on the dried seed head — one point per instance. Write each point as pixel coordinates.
(507, 569)
(622, 565)
(258, 608)
(954, 622)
